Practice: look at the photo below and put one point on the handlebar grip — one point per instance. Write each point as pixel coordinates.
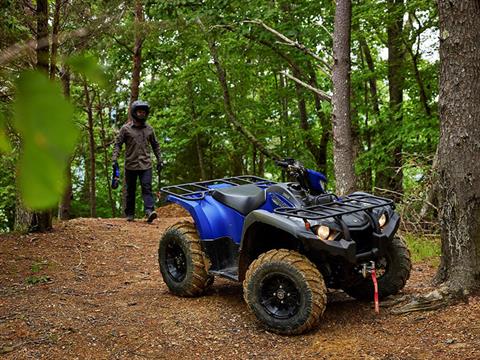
(282, 163)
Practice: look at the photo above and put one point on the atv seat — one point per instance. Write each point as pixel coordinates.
(243, 198)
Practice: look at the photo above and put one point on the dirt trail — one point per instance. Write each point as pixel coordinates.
(99, 295)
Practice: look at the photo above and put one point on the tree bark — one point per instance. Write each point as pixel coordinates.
(392, 177)
(106, 162)
(137, 51)
(321, 155)
(55, 29)
(42, 48)
(91, 147)
(25, 220)
(372, 79)
(66, 202)
(198, 145)
(342, 127)
(418, 78)
(459, 147)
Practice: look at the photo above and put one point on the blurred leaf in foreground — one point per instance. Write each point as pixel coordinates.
(88, 66)
(4, 143)
(44, 120)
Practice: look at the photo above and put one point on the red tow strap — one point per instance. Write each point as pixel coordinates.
(375, 287)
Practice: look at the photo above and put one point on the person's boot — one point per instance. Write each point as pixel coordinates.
(130, 218)
(151, 215)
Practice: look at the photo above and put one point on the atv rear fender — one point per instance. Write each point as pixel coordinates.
(212, 219)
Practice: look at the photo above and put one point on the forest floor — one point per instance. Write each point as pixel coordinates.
(91, 289)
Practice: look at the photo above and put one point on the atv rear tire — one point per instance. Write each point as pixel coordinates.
(183, 264)
(285, 291)
(392, 280)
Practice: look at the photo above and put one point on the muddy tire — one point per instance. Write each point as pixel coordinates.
(285, 291)
(394, 278)
(183, 264)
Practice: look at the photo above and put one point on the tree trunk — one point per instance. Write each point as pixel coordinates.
(55, 28)
(106, 163)
(321, 156)
(342, 127)
(66, 202)
(392, 178)
(198, 145)
(25, 220)
(459, 147)
(91, 147)
(421, 86)
(42, 51)
(137, 51)
(372, 79)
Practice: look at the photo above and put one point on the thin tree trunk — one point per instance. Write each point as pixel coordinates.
(42, 50)
(106, 163)
(392, 178)
(342, 127)
(55, 28)
(222, 79)
(459, 147)
(91, 147)
(421, 86)
(137, 51)
(372, 79)
(197, 138)
(25, 220)
(283, 99)
(321, 154)
(261, 165)
(66, 201)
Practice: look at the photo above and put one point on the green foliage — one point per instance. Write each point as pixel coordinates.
(423, 248)
(4, 142)
(88, 65)
(179, 80)
(35, 278)
(43, 119)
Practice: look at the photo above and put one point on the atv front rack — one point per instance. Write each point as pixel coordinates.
(347, 205)
(198, 190)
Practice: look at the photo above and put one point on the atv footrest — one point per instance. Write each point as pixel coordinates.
(229, 273)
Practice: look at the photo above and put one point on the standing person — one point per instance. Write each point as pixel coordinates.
(138, 163)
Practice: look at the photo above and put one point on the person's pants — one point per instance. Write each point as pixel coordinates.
(145, 177)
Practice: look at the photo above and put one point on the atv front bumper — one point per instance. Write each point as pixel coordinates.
(348, 248)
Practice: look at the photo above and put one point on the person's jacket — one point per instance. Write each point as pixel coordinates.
(137, 152)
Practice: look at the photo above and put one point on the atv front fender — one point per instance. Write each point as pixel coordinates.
(306, 241)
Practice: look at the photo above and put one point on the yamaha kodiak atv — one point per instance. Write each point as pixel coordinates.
(287, 242)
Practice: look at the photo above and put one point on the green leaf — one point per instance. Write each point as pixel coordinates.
(44, 120)
(4, 142)
(88, 66)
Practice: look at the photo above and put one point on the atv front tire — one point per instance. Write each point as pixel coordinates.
(285, 291)
(394, 278)
(183, 264)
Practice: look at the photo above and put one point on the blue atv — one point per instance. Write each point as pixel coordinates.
(287, 242)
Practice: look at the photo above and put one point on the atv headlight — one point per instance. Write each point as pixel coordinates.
(382, 220)
(323, 232)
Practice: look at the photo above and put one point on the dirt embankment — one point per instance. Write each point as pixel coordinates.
(91, 289)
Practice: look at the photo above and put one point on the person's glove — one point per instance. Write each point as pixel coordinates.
(115, 175)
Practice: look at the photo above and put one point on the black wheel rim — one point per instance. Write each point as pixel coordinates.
(176, 262)
(279, 296)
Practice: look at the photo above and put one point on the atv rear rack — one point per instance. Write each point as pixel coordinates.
(198, 190)
(347, 205)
